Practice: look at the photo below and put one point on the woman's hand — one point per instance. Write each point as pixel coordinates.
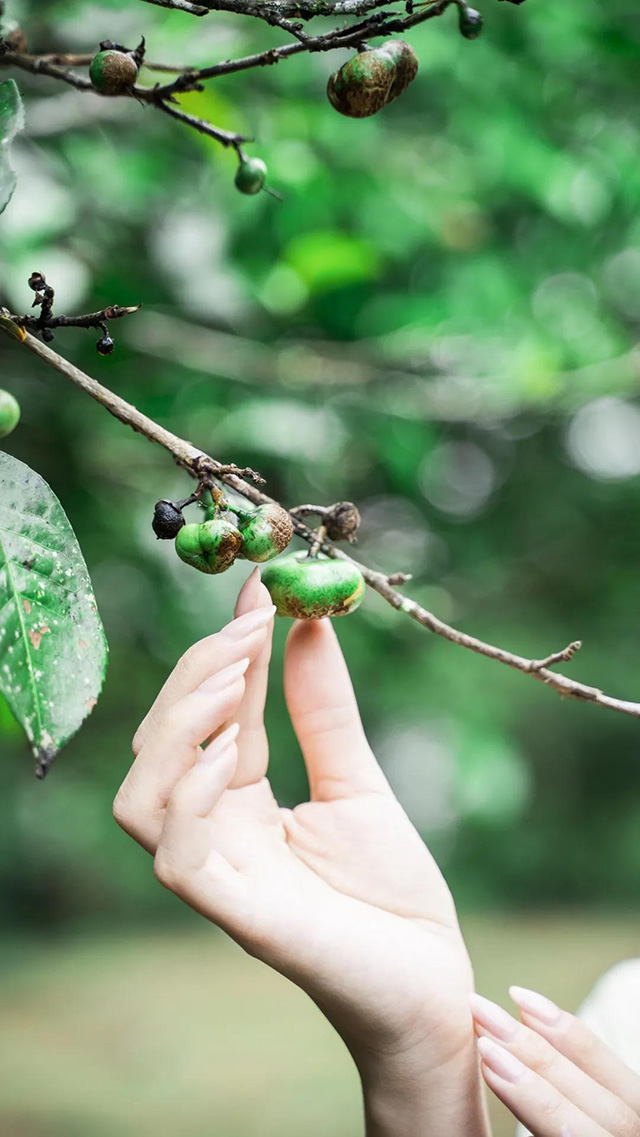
(553, 1074)
(339, 894)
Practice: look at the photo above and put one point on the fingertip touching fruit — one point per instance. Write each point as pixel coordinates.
(470, 22)
(113, 72)
(265, 533)
(371, 79)
(9, 413)
(251, 176)
(168, 520)
(104, 346)
(312, 588)
(211, 546)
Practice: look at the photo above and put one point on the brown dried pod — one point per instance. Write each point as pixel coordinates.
(371, 79)
(15, 39)
(342, 522)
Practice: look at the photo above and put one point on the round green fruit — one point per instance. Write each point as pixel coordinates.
(265, 533)
(251, 176)
(113, 72)
(306, 588)
(210, 547)
(471, 23)
(9, 413)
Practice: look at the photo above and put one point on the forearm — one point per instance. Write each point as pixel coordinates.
(404, 1098)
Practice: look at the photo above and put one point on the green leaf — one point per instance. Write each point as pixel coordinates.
(11, 121)
(53, 652)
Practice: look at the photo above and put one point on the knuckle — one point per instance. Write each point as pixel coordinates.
(540, 1056)
(552, 1114)
(625, 1123)
(191, 663)
(166, 870)
(122, 812)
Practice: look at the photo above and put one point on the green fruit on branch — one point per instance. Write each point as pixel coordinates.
(113, 72)
(251, 176)
(310, 588)
(265, 533)
(370, 80)
(210, 547)
(9, 413)
(470, 22)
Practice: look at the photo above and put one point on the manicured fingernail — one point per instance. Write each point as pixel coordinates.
(494, 1019)
(250, 591)
(250, 622)
(504, 1064)
(224, 678)
(215, 749)
(538, 1006)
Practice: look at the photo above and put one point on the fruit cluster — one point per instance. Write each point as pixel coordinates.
(212, 546)
(302, 586)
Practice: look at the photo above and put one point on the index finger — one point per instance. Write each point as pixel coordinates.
(240, 638)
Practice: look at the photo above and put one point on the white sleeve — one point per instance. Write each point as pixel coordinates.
(612, 1011)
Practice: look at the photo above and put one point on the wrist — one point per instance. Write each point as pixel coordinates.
(409, 1093)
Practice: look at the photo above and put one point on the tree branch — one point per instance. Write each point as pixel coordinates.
(202, 466)
(181, 6)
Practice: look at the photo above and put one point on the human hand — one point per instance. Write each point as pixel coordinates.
(552, 1072)
(339, 894)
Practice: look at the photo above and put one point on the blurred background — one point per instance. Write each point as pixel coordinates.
(440, 321)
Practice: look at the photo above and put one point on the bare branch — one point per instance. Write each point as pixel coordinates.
(202, 466)
(224, 137)
(89, 320)
(181, 6)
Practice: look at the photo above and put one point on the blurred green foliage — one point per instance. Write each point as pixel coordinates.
(440, 323)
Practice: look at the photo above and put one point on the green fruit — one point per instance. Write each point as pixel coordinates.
(306, 588)
(210, 547)
(9, 413)
(251, 176)
(265, 533)
(470, 23)
(371, 79)
(113, 72)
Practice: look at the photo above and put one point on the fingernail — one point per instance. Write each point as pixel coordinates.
(215, 749)
(493, 1018)
(224, 678)
(504, 1064)
(250, 590)
(538, 1006)
(250, 622)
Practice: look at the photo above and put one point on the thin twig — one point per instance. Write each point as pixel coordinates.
(202, 466)
(181, 6)
(89, 320)
(224, 137)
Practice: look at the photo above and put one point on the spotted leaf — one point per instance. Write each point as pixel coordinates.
(53, 651)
